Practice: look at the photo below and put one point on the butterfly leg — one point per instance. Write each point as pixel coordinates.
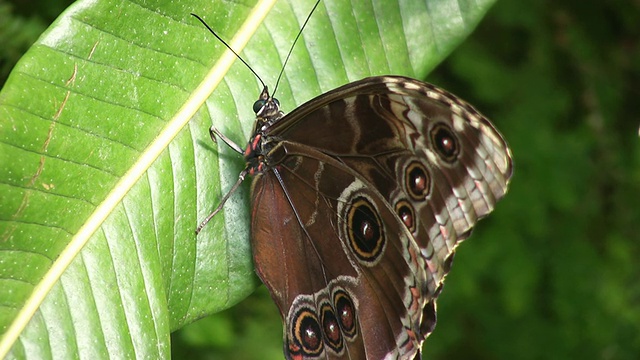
(213, 132)
(241, 178)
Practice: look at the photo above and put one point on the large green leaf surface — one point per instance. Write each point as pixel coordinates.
(106, 165)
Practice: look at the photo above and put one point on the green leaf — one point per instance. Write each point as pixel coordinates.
(106, 166)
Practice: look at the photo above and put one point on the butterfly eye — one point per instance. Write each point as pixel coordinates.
(365, 231)
(257, 106)
(275, 101)
(417, 181)
(445, 143)
(307, 332)
(406, 214)
(331, 329)
(346, 313)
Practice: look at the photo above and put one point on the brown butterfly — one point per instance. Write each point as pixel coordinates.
(359, 199)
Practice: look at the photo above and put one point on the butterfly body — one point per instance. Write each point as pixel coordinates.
(359, 198)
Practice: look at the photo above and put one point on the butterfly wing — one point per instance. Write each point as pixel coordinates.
(395, 131)
(371, 187)
(339, 287)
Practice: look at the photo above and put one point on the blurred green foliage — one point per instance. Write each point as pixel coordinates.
(555, 272)
(17, 33)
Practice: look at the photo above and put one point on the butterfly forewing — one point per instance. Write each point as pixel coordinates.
(363, 195)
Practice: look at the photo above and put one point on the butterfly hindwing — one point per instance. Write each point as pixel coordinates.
(331, 259)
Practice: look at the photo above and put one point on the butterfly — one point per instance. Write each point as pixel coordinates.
(359, 198)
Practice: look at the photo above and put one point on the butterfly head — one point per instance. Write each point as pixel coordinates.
(267, 109)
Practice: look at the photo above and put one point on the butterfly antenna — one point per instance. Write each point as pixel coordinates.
(229, 47)
(286, 60)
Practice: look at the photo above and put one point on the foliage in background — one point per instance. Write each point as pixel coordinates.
(558, 278)
(554, 274)
(18, 32)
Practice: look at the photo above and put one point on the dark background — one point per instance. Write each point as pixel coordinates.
(554, 273)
